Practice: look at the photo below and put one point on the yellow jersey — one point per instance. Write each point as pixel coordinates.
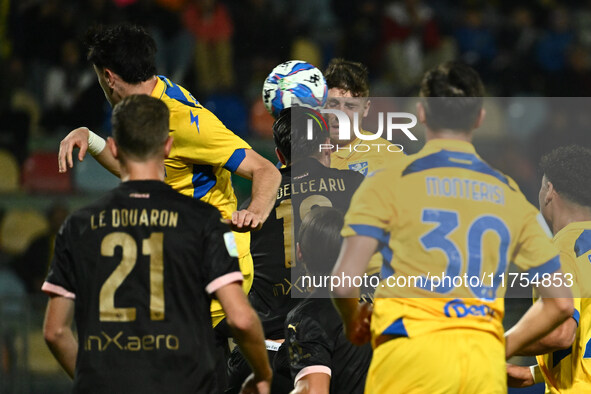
(445, 213)
(569, 370)
(365, 156)
(204, 153)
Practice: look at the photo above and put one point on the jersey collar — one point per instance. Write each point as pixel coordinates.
(159, 89)
(574, 226)
(447, 144)
(344, 152)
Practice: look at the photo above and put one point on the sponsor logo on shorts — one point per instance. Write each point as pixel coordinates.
(457, 308)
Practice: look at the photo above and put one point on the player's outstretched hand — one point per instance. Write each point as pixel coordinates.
(519, 376)
(358, 330)
(252, 386)
(77, 138)
(245, 220)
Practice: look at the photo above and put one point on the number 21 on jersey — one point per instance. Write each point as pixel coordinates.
(152, 247)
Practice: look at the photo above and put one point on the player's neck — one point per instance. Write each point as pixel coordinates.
(448, 134)
(570, 213)
(323, 158)
(142, 171)
(145, 87)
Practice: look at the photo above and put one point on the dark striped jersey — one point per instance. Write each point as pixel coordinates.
(141, 264)
(277, 285)
(316, 343)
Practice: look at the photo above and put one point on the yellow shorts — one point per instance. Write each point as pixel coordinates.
(247, 269)
(448, 361)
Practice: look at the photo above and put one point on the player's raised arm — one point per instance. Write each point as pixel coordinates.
(265, 181)
(57, 330)
(555, 306)
(85, 140)
(248, 332)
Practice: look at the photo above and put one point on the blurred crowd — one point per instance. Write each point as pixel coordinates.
(227, 47)
(221, 50)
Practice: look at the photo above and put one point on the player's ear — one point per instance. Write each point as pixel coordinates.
(280, 157)
(298, 251)
(421, 113)
(109, 77)
(367, 107)
(112, 146)
(480, 118)
(550, 194)
(167, 146)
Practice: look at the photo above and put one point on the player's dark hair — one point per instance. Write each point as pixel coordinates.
(320, 239)
(126, 49)
(140, 126)
(568, 168)
(347, 75)
(290, 133)
(452, 97)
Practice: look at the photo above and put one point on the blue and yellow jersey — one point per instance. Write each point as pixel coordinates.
(365, 156)
(204, 151)
(445, 212)
(569, 370)
(204, 154)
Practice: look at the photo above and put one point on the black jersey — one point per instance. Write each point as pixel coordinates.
(316, 342)
(306, 184)
(141, 264)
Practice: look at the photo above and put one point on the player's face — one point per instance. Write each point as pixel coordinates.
(344, 101)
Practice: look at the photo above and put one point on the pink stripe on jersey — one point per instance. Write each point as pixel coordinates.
(223, 280)
(50, 288)
(312, 369)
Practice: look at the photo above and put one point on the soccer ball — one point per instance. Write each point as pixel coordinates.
(294, 82)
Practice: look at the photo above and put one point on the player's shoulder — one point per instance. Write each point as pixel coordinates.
(311, 167)
(103, 202)
(81, 220)
(313, 312)
(349, 174)
(574, 238)
(391, 169)
(184, 109)
(176, 96)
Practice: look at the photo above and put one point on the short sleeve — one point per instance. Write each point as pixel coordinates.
(309, 347)
(535, 252)
(372, 208)
(568, 265)
(220, 255)
(201, 138)
(61, 280)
